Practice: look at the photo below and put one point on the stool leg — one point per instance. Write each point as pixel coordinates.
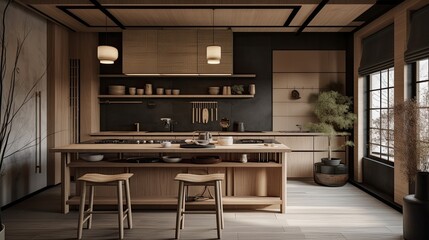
(81, 210)
(218, 217)
(91, 205)
(120, 211)
(185, 193)
(129, 214)
(221, 206)
(179, 209)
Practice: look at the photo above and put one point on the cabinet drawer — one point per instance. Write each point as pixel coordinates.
(295, 143)
(300, 164)
(321, 143)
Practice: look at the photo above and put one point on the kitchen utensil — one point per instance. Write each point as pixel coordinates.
(216, 112)
(176, 91)
(205, 136)
(240, 127)
(193, 112)
(211, 109)
(167, 91)
(140, 91)
(205, 115)
(160, 91)
(166, 144)
(132, 90)
(252, 89)
(213, 90)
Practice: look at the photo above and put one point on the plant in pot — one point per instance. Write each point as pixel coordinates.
(332, 109)
(14, 96)
(412, 152)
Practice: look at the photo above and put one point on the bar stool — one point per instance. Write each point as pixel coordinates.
(95, 179)
(186, 180)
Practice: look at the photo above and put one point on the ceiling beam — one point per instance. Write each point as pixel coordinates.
(312, 15)
(107, 13)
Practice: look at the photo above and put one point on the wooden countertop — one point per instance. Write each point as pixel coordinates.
(175, 148)
(214, 133)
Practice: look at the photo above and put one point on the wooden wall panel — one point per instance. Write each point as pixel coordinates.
(321, 142)
(58, 98)
(83, 46)
(307, 61)
(308, 72)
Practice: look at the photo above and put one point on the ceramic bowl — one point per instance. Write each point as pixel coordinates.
(166, 144)
(91, 157)
(214, 90)
(171, 159)
(117, 90)
(225, 141)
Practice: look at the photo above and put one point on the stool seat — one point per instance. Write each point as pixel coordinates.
(96, 179)
(186, 180)
(103, 178)
(195, 178)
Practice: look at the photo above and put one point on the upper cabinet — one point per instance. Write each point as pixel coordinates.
(177, 51)
(174, 51)
(140, 51)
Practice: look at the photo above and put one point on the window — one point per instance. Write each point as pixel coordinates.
(422, 96)
(380, 115)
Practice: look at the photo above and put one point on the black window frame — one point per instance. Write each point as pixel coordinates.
(368, 115)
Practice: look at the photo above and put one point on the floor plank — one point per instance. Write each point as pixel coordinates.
(313, 212)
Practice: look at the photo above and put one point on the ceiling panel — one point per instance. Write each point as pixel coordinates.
(251, 17)
(265, 29)
(93, 17)
(338, 14)
(329, 29)
(303, 13)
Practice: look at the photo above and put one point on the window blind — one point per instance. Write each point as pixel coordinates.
(418, 40)
(377, 51)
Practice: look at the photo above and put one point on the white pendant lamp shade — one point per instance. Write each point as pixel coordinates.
(107, 54)
(213, 54)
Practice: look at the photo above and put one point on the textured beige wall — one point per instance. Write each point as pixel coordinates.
(18, 177)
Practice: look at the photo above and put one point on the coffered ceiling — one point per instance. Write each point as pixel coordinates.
(239, 15)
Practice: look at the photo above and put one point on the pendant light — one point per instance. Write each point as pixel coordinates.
(213, 51)
(105, 53)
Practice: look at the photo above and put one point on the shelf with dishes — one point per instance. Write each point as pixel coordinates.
(176, 96)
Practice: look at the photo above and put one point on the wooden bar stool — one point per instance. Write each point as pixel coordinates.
(95, 179)
(186, 180)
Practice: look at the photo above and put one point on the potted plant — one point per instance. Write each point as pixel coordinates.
(412, 152)
(332, 109)
(11, 104)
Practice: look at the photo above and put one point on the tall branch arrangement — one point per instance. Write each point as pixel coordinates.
(412, 124)
(10, 104)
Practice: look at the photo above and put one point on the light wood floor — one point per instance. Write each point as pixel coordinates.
(313, 212)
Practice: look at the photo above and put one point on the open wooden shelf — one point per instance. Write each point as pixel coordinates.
(179, 75)
(242, 200)
(176, 96)
(81, 163)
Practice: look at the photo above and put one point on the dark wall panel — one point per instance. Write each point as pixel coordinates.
(252, 54)
(378, 176)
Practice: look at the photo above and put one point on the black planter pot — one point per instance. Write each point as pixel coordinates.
(416, 210)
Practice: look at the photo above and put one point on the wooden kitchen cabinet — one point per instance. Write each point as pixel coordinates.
(140, 51)
(175, 51)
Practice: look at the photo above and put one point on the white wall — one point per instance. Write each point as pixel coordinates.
(18, 176)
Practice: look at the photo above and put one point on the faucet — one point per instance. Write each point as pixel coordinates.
(168, 123)
(299, 127)
(137, 127)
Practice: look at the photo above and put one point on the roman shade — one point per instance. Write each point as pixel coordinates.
(418, 41)
(377, 51)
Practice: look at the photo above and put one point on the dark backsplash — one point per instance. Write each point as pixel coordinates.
(252, 55)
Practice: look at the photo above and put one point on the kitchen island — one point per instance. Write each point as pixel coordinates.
(261, 181)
